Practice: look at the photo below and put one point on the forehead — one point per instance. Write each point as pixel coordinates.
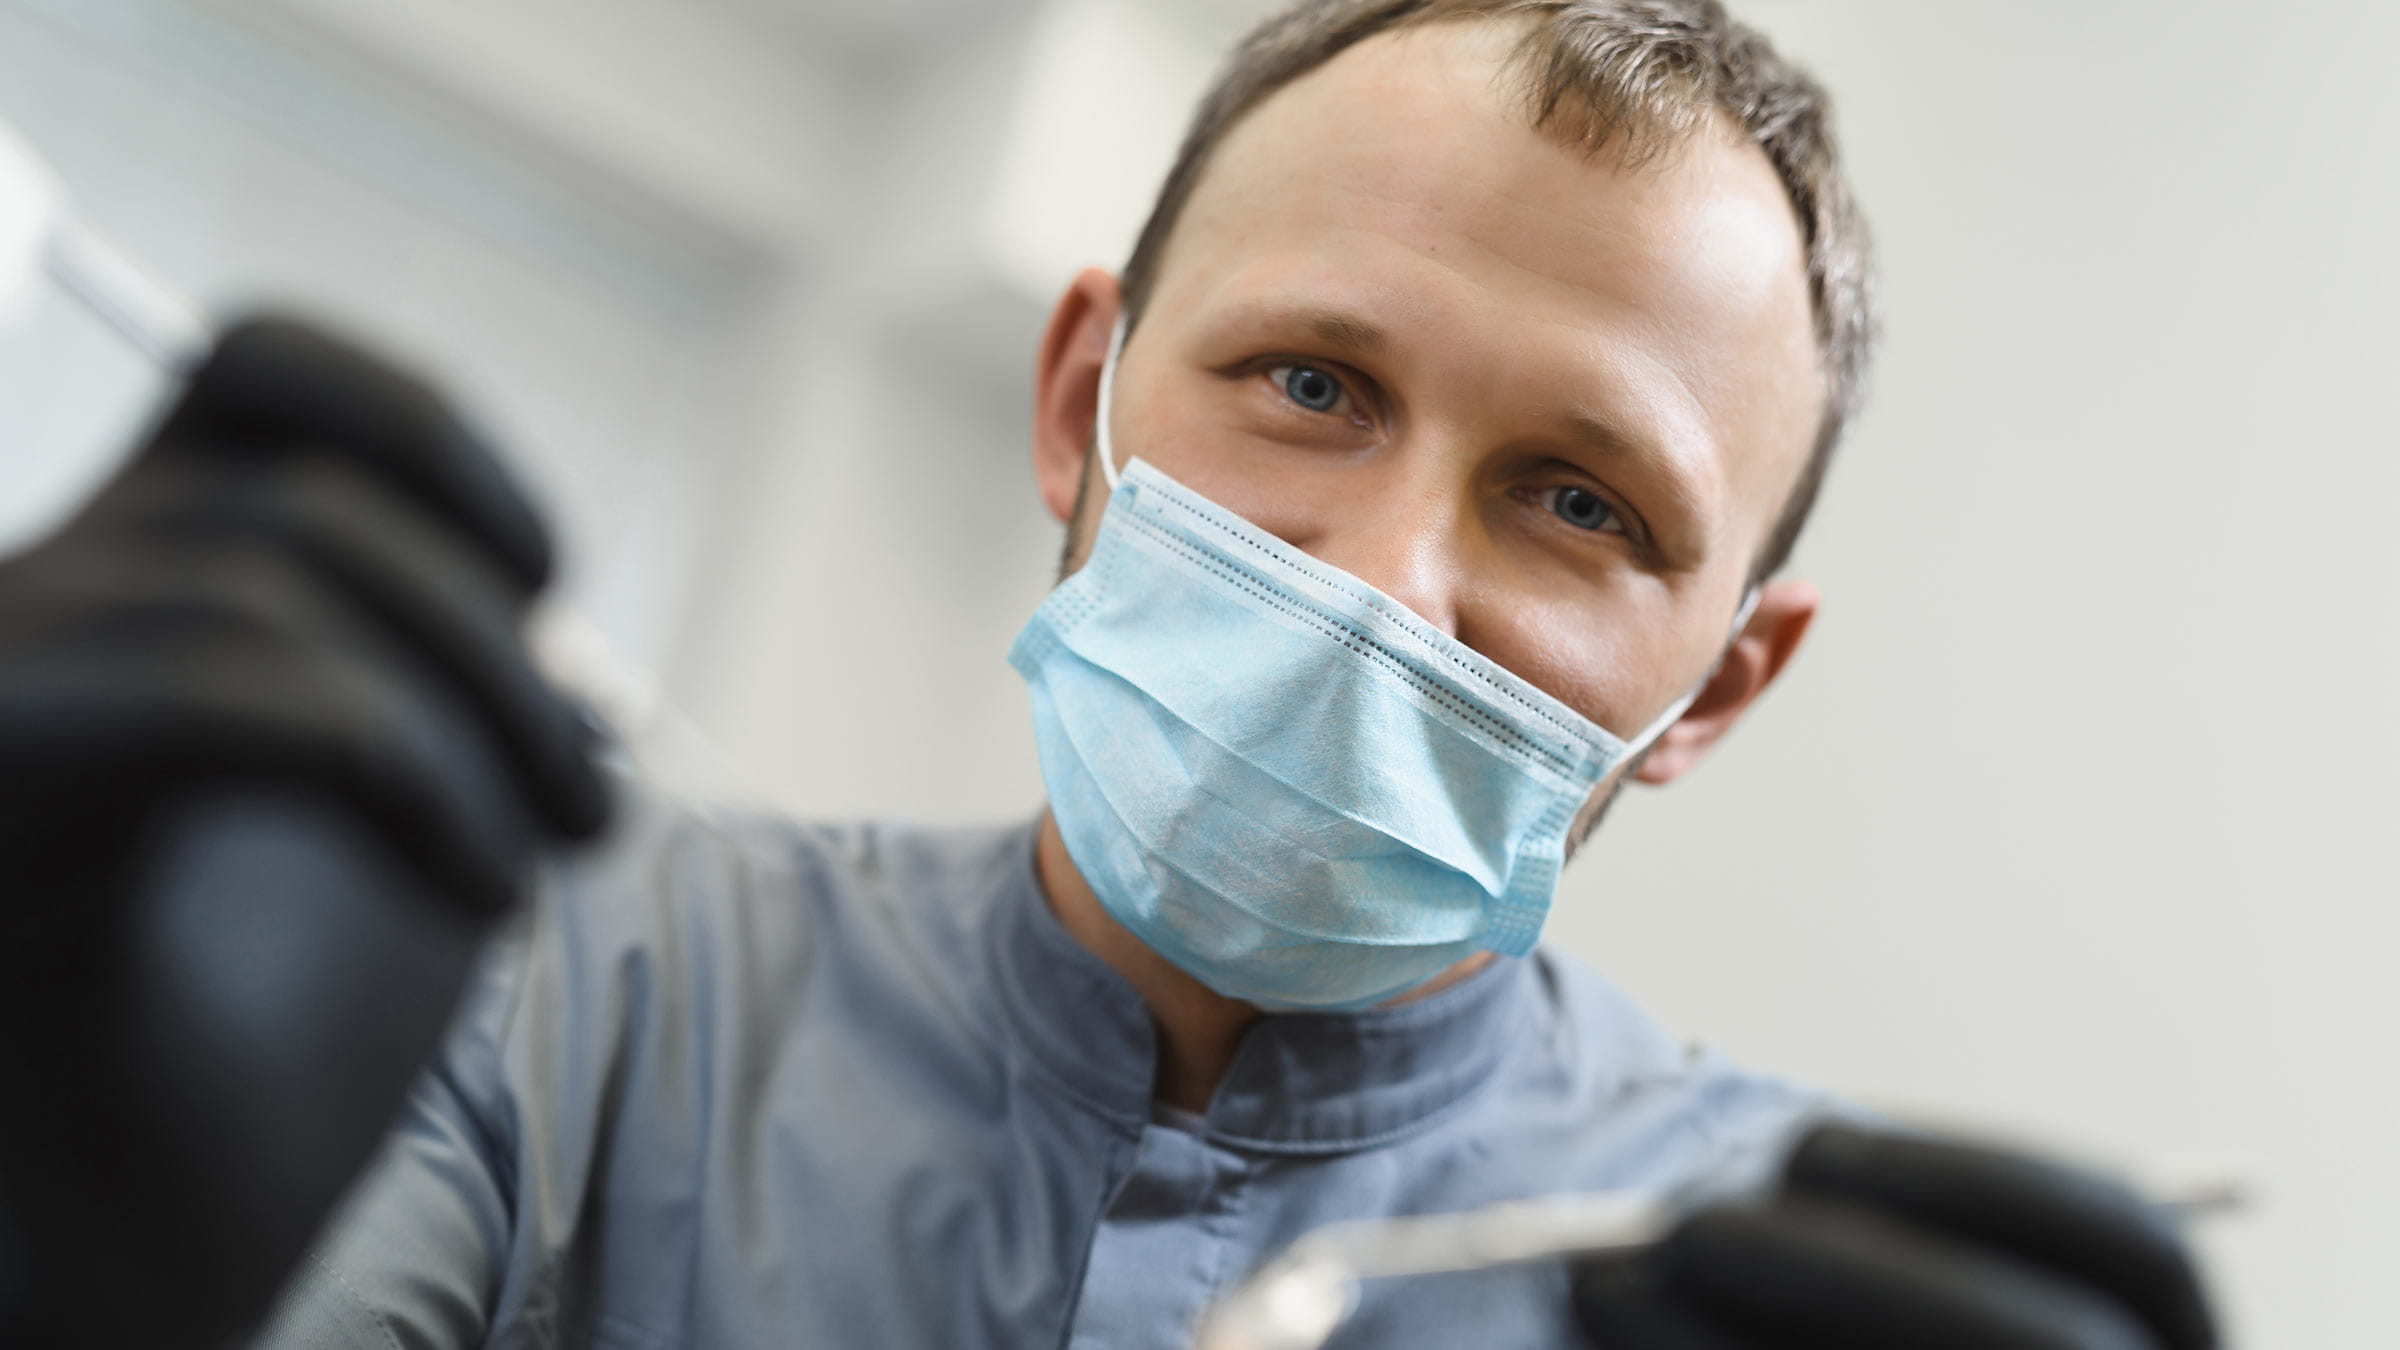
(1403, 177)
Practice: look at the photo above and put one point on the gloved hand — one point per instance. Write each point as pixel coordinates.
(273, 758)
(1892, 1242)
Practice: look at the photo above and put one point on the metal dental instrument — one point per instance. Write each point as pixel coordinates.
(39, 235)
(1299, 1299)
(161, 324)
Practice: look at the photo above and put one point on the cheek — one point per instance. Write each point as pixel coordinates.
(1185, 437)
(1604, 666)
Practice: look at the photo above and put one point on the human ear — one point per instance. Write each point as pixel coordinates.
(1066, 386)
(1759, 654)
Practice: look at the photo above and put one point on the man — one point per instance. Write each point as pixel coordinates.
(1426, 477)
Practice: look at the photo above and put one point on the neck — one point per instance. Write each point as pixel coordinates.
(1199, 1029)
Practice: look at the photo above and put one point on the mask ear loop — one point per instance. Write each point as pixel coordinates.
(1676, 710)
(1108, 385)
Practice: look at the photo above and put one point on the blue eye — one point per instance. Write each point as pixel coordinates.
(1583, 509)
(1309, 387)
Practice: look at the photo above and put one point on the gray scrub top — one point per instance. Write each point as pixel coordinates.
(742, 1081)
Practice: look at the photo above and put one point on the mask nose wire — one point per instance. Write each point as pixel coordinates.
(1108, 386)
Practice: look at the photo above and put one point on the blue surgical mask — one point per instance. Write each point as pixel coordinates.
(1279, 777)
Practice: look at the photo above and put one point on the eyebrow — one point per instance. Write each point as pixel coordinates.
(1346, 331)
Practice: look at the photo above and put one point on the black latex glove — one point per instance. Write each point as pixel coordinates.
(1891, 1242)
(273, 758)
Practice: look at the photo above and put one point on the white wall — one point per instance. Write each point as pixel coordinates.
(588, 341)
(2072, 820)
(2077, 816)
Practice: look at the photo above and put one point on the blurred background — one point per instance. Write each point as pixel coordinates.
(2075, 821)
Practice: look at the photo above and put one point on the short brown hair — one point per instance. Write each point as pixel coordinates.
(1632, 76)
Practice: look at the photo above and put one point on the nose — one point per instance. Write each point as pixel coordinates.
(1402, 540)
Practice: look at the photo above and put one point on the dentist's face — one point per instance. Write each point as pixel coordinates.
(1552, 404)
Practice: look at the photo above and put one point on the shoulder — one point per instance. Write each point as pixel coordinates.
(674, 873)
(663, 977)
(697, 931)
(1608, 1062)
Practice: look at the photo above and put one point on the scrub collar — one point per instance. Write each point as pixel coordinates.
(1301, 1083)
